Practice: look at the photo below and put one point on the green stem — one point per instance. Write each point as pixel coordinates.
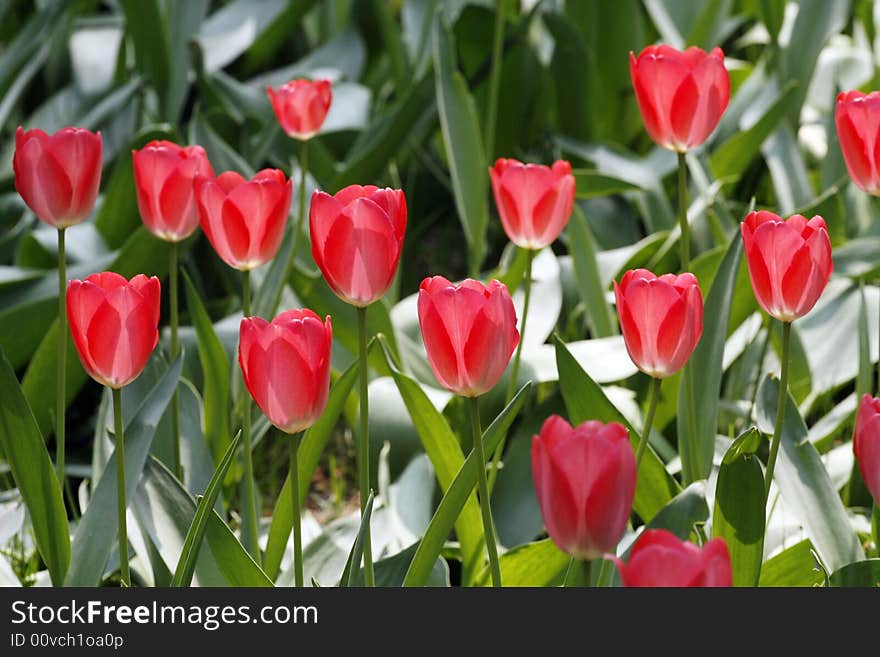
(483, 488)
(363, 450)
(303, 169)
(869, 354)
(494, 79)
(249, 515)
(578, 573)
(175, 350)
(875, 527)
(684, 239)
(297, 521)
(649, 419)
(61, 369)
(780, 410)
(120, 488)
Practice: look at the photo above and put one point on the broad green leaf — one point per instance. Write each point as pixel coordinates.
(313, 442)
(457, 495)
(858, 258)
(805, 485)
(390, 571)
(28, 460)
(592, 184)
(586, 268)
(700, 388)
(861, 573)
(145, 24)
(534, 564)
(184, 19)
(349, 574)
(794, 566)
(585, 400)
(464, 144)
(683, 511)
(95, 536)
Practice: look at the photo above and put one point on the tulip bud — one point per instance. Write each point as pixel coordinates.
(857, 116)
(866, 443)
(660, 559)
(301, 106)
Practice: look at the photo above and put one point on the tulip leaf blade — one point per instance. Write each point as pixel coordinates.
(700, 386)
(457, 494)
(586, 269)
(33, 473)
(349, 574)
(859, 574)
(594, 184)
(865, 375)
(683, 511)
(585, 400)
(794, 566)
(540, 563)
(145, 23)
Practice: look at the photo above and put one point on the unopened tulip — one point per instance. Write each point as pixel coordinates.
(58, 176)
(681, 95)
(244, 219)
(857, 116)
(301, 106)
(661, 318)
(357, 238)
(286, 366)
(533, 200)
(114, 325)
(585, 478)
(789, 262)
(469, 330)
(866, 443)
(164, 175)
(660, 559)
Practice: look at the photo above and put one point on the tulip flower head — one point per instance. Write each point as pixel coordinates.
(301, 106)
(585, 478)
(866, 443)
(660, 559)
(58, 175)
(469, 330)
(164, 175)
(857, 116)
(114, 325)
(244, 219)
(789, 262)
(533, 200)
(681, 95)
(661, 318)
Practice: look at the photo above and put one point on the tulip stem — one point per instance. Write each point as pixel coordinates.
(250, 538)
(61, 370)
(120, 488)
(578, 573)
(649, 418)
(875, 527)
(175, 350)
(780, 410)
(363, 446)
(297, 521)
(684, 238)
(483, 488)
(303, 168)
(494, 78)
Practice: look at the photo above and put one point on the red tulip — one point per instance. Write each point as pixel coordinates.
(301, 106)
(114, 323)
(244, 219)
(533, 200)
(469, 331)
(585, 478)
(866, 443)
(286, 366)
(858, 129)
(789, 262)
(681, 95)
(58, 176)
(658, 558)
(163, 176)
(661, 319)
(357, 237)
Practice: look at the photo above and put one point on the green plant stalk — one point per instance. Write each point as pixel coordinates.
(875, 527)
(494, 78)
(578, 573)
(483, 488)
(297, 521)
(120, 487)
(684, 238)
(303, 169)
(250, 538)
(780, 411)
(175, 350)
(363, 446)
(649, 419)
(61, 370)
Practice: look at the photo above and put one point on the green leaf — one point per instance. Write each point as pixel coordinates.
(700, 388)
(193, 542)
(32, 471)
(865, 377)
(585, 400)
(861, 573)
(805, 485)
(739, 508)
(683, 511)
(349, 574)
(534, 564)
(592, 184)
(586, 269)
(313, 442)
(794, 566)
(457, 495)
(145, 24)
(858, 258)
(390, 571)
(95, 536)
(464, 144)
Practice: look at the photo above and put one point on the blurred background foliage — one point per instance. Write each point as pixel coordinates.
(409, 110)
